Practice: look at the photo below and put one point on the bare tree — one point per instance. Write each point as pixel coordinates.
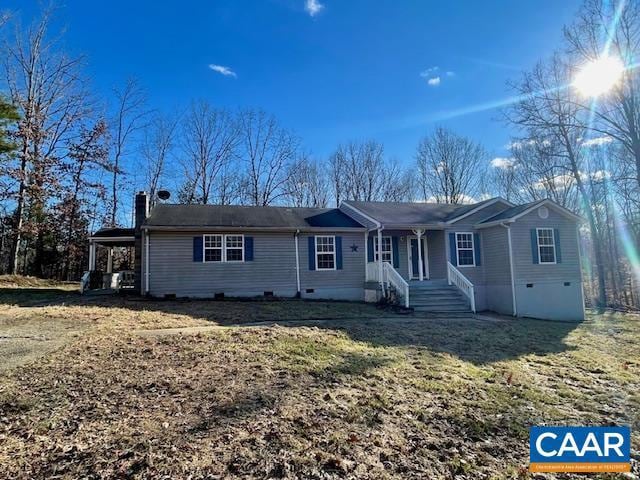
(549, 113)
(399, 184)
(611, 27)
(532, 173)
(49, 93)
(268, 150)
(209, 139)
(306, 183)
(128, 118)
(157, 146)
(450, 167)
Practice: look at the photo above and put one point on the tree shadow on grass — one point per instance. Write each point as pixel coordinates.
(35, 297)
(476, 341)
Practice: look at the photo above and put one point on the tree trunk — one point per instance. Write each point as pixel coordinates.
(15, 250)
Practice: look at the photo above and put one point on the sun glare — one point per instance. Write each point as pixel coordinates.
(598, 76)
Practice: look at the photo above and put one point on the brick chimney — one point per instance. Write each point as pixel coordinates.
(141, 213)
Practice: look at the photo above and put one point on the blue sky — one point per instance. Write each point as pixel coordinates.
(346, 70)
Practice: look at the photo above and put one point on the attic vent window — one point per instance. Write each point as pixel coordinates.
(543, 212)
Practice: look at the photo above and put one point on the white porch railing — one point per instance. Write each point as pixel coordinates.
(390, 277)
(455, 277)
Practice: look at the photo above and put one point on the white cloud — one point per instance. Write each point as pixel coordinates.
(502, 162)
(463, 199)
(525, 143)
(433, 77)
(601, 175)
(429, 72)
(559, 182)
(596, 142)
(226, 71)
(313, 7)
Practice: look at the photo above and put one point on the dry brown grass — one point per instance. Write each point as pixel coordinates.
(351, 398)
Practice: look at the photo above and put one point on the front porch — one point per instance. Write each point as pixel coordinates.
(400, 249)
(414, 263)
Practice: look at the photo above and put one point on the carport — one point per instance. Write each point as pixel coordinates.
(109, 238)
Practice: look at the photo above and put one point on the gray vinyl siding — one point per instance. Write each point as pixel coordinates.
(547, 296)
(345, 284)
(173, 271)
(362, 220)
(476, 274)
(437, 254)
(497, 270)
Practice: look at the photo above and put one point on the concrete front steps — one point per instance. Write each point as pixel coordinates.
(437, 298)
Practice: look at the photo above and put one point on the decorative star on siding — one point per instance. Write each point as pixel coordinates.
(354, 248)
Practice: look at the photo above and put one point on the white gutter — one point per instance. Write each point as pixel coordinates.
(231, 228)
(111, 239)
(295, 236)
(512, 270)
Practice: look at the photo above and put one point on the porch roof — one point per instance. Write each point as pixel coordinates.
(408, 214)
(114, 237)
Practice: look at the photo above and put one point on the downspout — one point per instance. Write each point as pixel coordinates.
(295, 236)
(146, 262)
(580, 268)
(512, 270)
(380, 261)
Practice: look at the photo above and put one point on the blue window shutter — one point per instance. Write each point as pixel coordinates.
(452, 250)
(248, 249)
(476, 249)
(370, 249)
(396, 252)
(197, 249)
(534, 245)
(312, 253)
(556, 238)
(339, 253)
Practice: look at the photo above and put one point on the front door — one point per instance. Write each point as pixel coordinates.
(414, 271)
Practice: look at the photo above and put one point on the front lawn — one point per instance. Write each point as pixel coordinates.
(355, 397)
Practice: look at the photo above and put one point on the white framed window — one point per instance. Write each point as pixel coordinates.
(387, 250)
(223, 248)
(465, 252)
(546, 246)
(325, 252)
(234, 248)
(213, 249)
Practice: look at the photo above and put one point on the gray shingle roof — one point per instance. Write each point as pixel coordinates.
(114, 232)
(511, 212)
(167, 215)
(404, 213)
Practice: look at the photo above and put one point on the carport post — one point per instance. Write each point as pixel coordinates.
(110, 260)
(92, 256)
